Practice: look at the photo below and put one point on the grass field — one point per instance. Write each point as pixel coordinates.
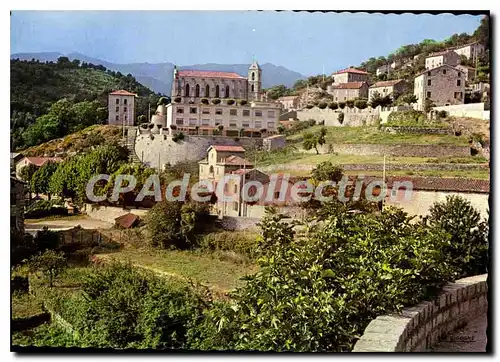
(372, 135)
(219, 275)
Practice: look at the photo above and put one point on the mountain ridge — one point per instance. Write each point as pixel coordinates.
(158, 76)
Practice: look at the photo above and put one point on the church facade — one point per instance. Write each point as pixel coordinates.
(219, 103)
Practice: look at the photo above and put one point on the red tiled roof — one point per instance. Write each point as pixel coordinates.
(350, 85)
(228, 148)
(122, 92)
(351, 70)
(40, 161)
(438, 183)
(430, 70)
(236, 160)
(209, 74)
(126, 221)
(387, 83)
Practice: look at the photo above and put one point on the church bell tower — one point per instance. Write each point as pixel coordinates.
(254, 82)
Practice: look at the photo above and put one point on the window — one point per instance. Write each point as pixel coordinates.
(125, 117)
(428, 94)
(277, 195)
(458, 82)
(217, 91)
(253, 75)
(429, 74)
(205, 111)
(444, 71)
(245, 125)
(258, 113)
(233, 112)
(218, 110)
(197, 90)
(252, 88)
(124, 101)
(207, 91)
(125, 109)
(270, 125)
(117, 101)
(235, 205)
(192, 110)
(459, 74)
(117, 109)
(186, 93)
(180, 110)
(192, 121)
(179, 121)
(116, 118)
(211, 169)
(246, 112)
(258, 124)
(428, 82)
(227, 91)
(205, 122)
(270, 114)
(232, 123)
(458, 95)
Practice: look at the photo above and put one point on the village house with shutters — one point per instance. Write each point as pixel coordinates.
(392, 88)
(289, 103)
(448, 57)
(349, 75)
(444, 85)
(225, 103)
(121, 108)
(349, 91)
(471, 51)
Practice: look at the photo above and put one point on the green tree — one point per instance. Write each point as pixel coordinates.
(408, 98)
(41, 178)
(50, 263)
(278, 91)
(326, 171)
(313, 140)
(468, 247)
(379, 100)
(482, 33)
(26, 174)
(360, 103)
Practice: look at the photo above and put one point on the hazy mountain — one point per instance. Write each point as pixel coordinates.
(158, 76)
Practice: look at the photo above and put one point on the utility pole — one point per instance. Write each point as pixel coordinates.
(323, 73)
(149, 112)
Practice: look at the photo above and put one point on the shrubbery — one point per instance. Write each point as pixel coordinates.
(43, 208)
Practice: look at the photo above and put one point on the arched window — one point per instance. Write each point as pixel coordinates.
(217, 91)
(207, 91)
(227, 91)
(253, 75)
(211, 169)
(197, 91)
(187, 90)
(252, 88)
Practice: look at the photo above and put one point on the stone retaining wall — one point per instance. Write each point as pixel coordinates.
(110, 213)
(389, 166)
(418, 328)
(417, 130)
(402, 150)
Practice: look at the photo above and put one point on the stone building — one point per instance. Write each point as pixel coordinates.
(448, 57)
(289, 102)
(470, 51)
(254, 119)
(121, 108)
(37, 161)
(349, 75)
(469, 72)
(221, 160)
(391, 87)
(17, 198)
(224, 103)
(347, 91)
(444, 85)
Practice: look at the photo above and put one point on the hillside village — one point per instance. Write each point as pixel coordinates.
(420, 117)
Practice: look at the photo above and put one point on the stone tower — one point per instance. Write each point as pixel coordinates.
(254, 82)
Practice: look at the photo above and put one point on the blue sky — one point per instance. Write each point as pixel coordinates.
(304, 42)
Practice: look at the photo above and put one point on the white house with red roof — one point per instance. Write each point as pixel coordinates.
(37, 161)
(349, 75)
(121, 108)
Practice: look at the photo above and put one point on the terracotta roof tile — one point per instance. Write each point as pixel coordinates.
(209, 74)
(122, 92)
(39, 161)
(126, 221)
(351, 70)
(222, 148)
(387, 83)
(236, 160)
(350, 85)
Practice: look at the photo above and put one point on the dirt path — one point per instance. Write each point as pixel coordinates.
(471, 338)
(62, 224)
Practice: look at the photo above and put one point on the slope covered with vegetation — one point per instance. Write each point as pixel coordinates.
(50, 100)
